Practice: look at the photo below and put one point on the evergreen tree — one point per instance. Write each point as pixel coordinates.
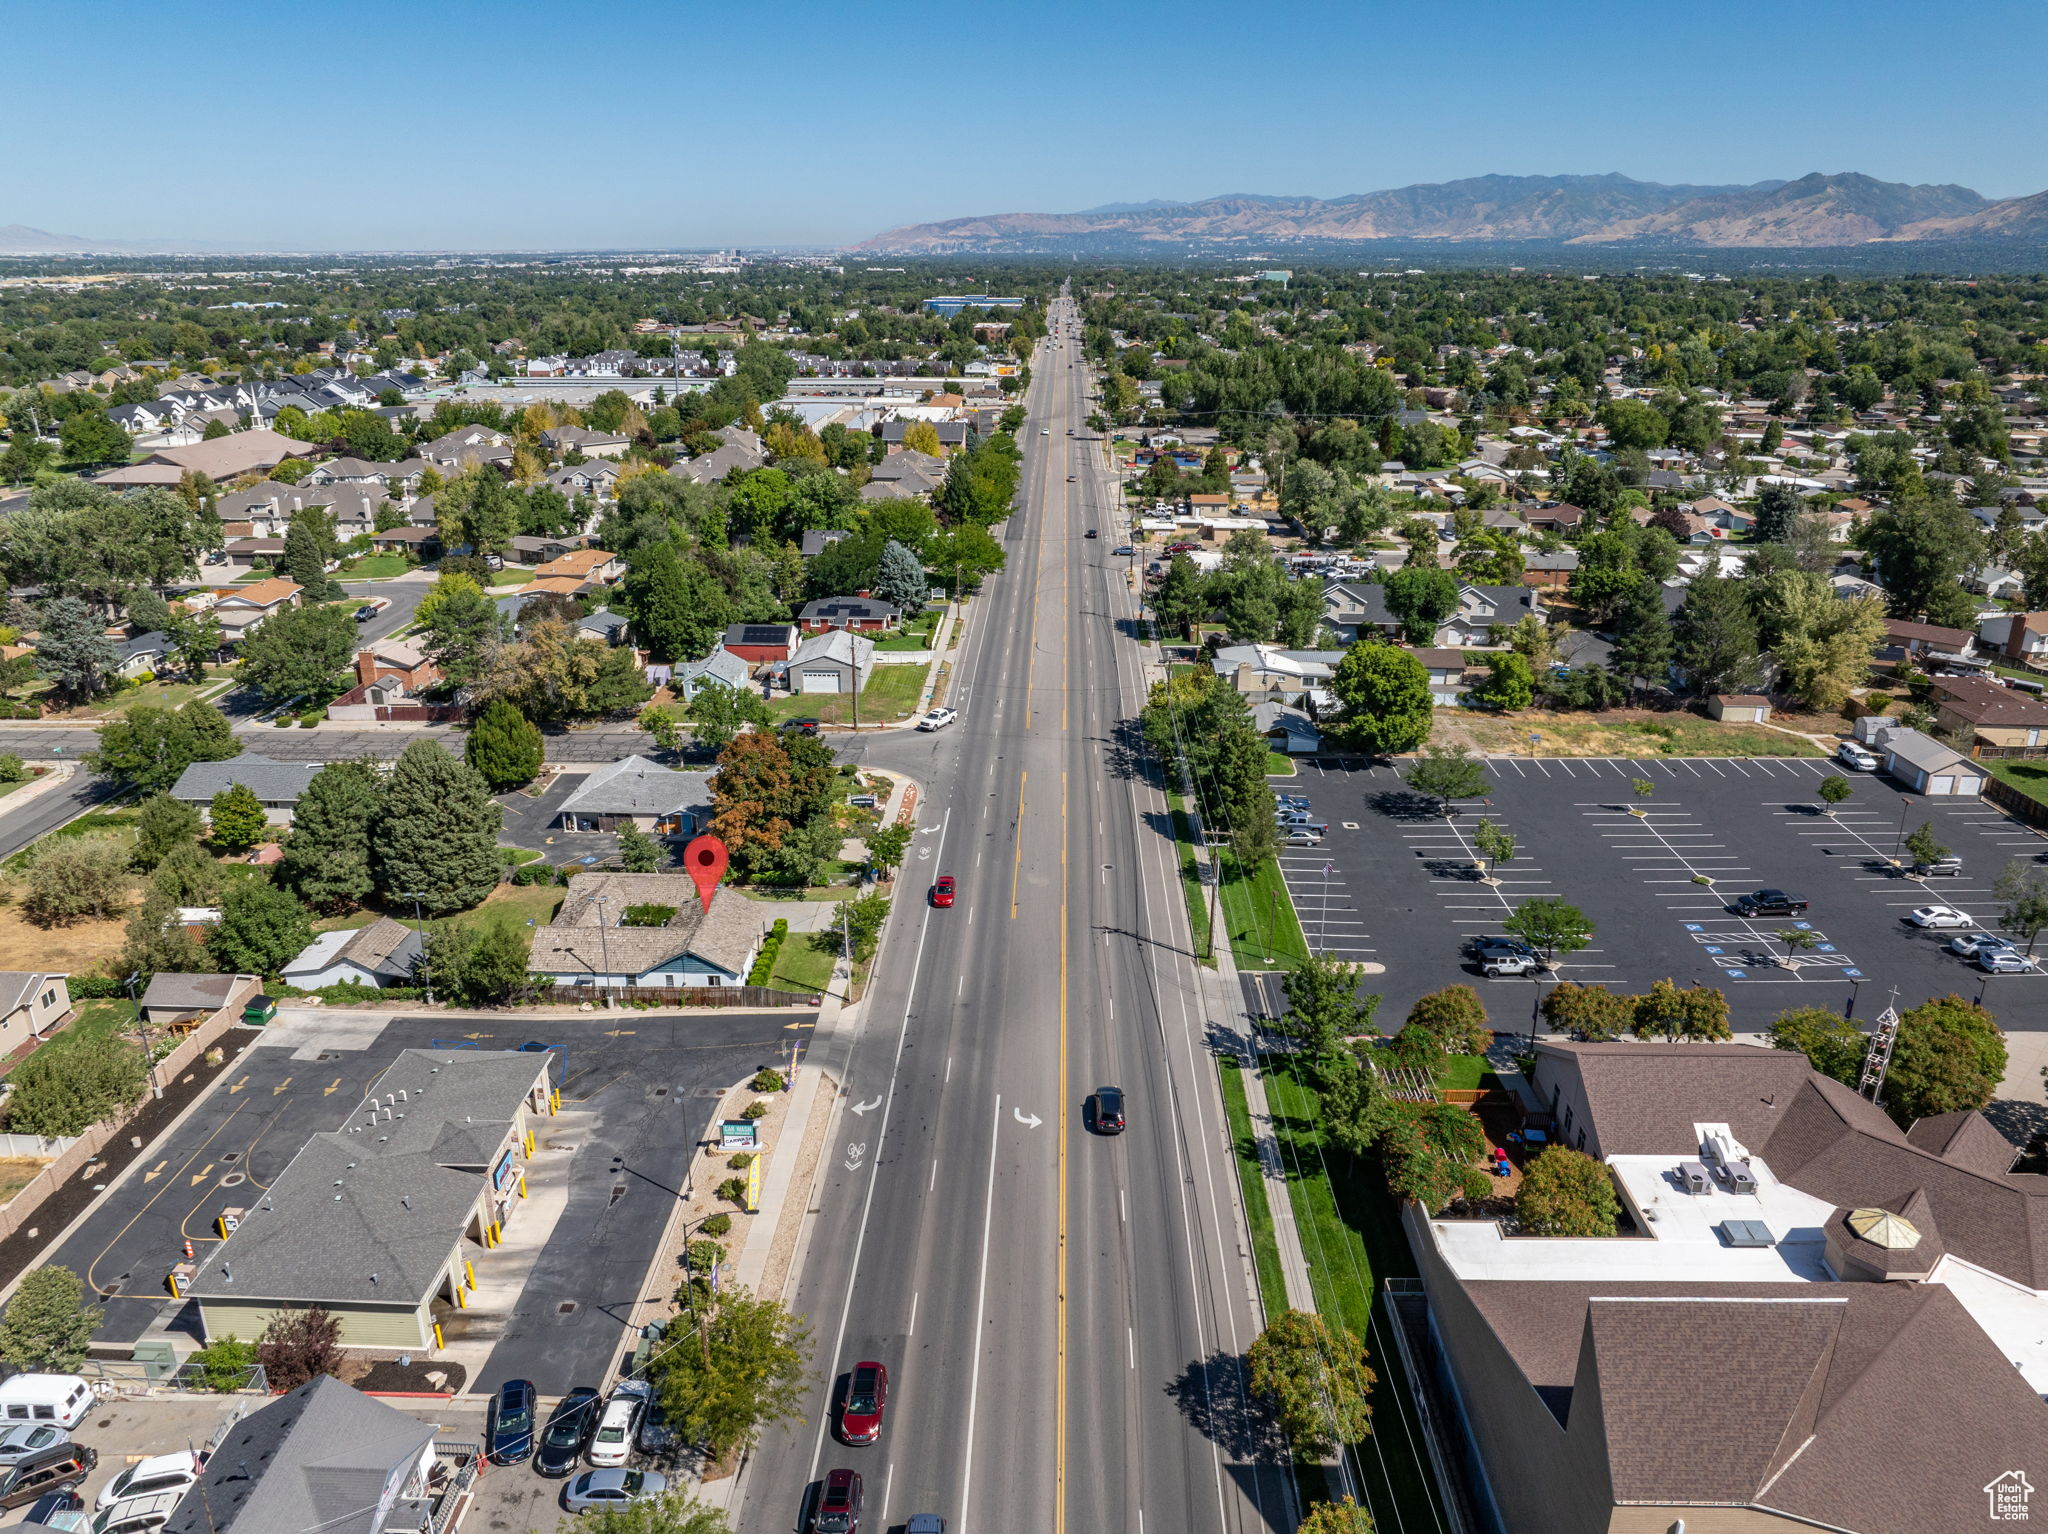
(261, 929)
(326, 859)
(465, 625)
(1776, 510)
(48, 1325)
(236, 819)
(307, 548)
(211, 737)
(1714, 636)
(637, 850)
(163, 823)
(1642, 637)
(188, 875)
(900, 579)
(73, 653)
(438, 834)
(504, 747)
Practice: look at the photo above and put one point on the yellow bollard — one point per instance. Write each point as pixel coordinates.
(439, 1341)
(469, 1271)
(554, 1102)
(461, 1298)
(529, 1142)
(172, 1280)
(522, 1185)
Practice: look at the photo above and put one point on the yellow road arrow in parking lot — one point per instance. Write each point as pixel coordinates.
(199, 1176)
(330, 1091)
(620, 1033)
(238, 1086)
(280, 1086)
(787, 1026)
(479, 1035)
(155, 1172)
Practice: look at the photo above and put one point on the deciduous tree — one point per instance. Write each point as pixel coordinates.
(1317, 1380)
(261, 929)
(1832, 1044)
(299, 1345)
(1384, 706)
(743, 1372)
(71, 878)
(1949, 1054)
(1567, 1193)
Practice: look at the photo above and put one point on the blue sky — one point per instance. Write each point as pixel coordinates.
(450, 124)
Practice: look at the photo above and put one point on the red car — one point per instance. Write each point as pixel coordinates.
(860, 1418)
(838, 1509)
(942, 892)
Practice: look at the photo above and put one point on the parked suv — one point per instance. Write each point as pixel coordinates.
(1950, 865)
(60, 1465)
(1770, 903)
(1505, 956)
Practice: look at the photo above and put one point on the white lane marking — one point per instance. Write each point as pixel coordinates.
(933, 1184)
(988, 1220)
(912, 1332)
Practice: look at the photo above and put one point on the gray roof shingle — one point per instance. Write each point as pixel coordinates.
(272, 782)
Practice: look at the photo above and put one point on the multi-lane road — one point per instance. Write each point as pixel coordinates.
(1063, 1314)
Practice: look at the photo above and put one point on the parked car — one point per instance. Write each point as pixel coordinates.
(1292, 802)
(611, 1488)
(942, 892)
(1971, 944)
(60, 1467)
(2003, 961)
(54, 1505)
(1850, 754)
(1106, 1110)
(1770, 902)
(160, 1472)
(938, 718)
(867, 1394)
(801, 726)
(20, 1439)
(1950, 866)
(657, 1435)
(1302, 836)
(1938, 916)
(838, 1509)
(570, 1425)
(613, 1440)
(138, 1515)
(508, 1438)
(1499, 956)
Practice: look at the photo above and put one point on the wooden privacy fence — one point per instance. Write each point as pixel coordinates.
(679, 996)
(2015, 803)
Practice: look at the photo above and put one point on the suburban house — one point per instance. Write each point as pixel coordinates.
(1548, 571)
(1446, 667)
(1928, 638)
(1561, 518)
(466, 447)
(588, 943)
(1815, 1319)
(636, 791)
(1287, 730)
(870, 615)
(819, 539)
(326, 1456)
(588, 567)
(277, 784)
(833, 661)
(738, 448)
(2020, 638)
(398, 660)
(222, 459)
(405, 540)
(1264, 673)
(248, 553)
(1351, 607)
(145, 653)
(1926, 766)
(612, 628)
(721, 667)
(1997, 720)
(761, 644)
(31, 1004)
(242, 609)
(530, 550)
(595, 479)
(563, 440)
(378, 1220)
(383, 953)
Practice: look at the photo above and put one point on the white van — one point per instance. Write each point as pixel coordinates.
(60, 1398)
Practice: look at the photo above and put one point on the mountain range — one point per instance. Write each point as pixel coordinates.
(21, 240)
(1813, 211)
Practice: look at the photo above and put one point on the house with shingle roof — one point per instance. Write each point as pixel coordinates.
(588, 944)
(654, 798)
(1810, 1318)
(383, 953)
(277, 784)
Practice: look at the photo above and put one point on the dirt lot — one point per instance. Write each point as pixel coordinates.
(73, 949)
(1624, 732)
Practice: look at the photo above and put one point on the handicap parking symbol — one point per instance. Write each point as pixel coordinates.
(1803, 926)
(1738, 974)
(1827, 948)
(1693, 926)
(1713, 950)
(1855, 973)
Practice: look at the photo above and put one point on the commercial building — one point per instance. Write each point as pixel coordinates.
(376, 1222)
(635, 791)
(1811, 1319)
(949, 304)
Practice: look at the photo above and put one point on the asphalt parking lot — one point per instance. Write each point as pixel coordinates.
(636, 1090)
(1402, 890)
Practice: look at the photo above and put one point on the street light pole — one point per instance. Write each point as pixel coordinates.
(419, 925)
(142, 1027)
(604, 947)
(1905, 804)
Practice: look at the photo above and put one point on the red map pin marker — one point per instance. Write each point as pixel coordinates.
(705, 858)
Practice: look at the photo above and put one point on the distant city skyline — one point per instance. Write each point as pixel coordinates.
(512, 126)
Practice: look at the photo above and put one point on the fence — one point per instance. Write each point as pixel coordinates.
(35, 1145)
(23, 1206)
(133, 1376)
(2015, 803)
(680, 996)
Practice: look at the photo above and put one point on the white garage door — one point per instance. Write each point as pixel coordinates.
(819, 681)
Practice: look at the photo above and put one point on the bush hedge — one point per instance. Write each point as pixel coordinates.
(764, 966)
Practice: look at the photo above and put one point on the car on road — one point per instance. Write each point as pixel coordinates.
(938, 718)
(160, 1472)
(1849, 754)
(1045, 431)
(1946, 867)
(1106, 1110)
(570, 1424)
(366, 612)
(925, 1523)
(1091, 533)
(838, 1509)
(611, 1488)
(613, 1440)
(1071, 478)
(801, 726)
(1769, 902)
(509, 1438)
(2003, 961)
(1939, 916)
(1970, 944)
(867, 1394)
(1124, 548)
(942, 892)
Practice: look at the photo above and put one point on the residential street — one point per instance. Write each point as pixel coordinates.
(1062, 1313)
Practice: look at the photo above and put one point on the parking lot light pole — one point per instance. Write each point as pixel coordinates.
(419, 923)
(1849, 1005)
(1905, 804)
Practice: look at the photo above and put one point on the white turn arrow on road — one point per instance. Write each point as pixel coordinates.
(867, 1107)
(1029, 1123)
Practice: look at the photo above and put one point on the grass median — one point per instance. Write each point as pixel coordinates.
(1352, 1239)
(1251, 1179)
(1258, 915)
(1191, 887)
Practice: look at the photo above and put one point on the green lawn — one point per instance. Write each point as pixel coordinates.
(800, 967)
(914, 635)
(1259, 917)
(117, 823)
(1191, 878)
(1279, 765)
(1252, 1179)
(1351, 1236)
(96, 1022)
(892, 693)
(1463, 1073)
(510, 905)
(375, 567)
(2027, 774)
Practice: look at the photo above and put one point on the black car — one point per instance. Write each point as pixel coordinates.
(366, 612)
(1770, 903)
(509, 1437)
(58, 1468)
(1106, 1110)
(1091, 533)
(802, 726)
(50, 1504)
(569, 1428)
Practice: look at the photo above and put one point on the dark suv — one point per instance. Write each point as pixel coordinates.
(838, 1510)
(61, 1466)
(1770, 903)
(1106, 1109)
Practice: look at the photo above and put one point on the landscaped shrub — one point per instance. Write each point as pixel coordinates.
(764, 963)
(733, 1190)
(768, 1079)
(739, 1161)
(534, 873)
(755, 1110)
(1567, 1193)
(716, 1224)
(647, 915)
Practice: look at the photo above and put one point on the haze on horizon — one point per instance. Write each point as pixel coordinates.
(465, 126)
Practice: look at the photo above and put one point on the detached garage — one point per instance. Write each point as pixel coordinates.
(1928, 767)
(837, 661)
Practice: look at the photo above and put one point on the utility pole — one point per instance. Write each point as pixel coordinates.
(419, 924)
(142, 1027)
